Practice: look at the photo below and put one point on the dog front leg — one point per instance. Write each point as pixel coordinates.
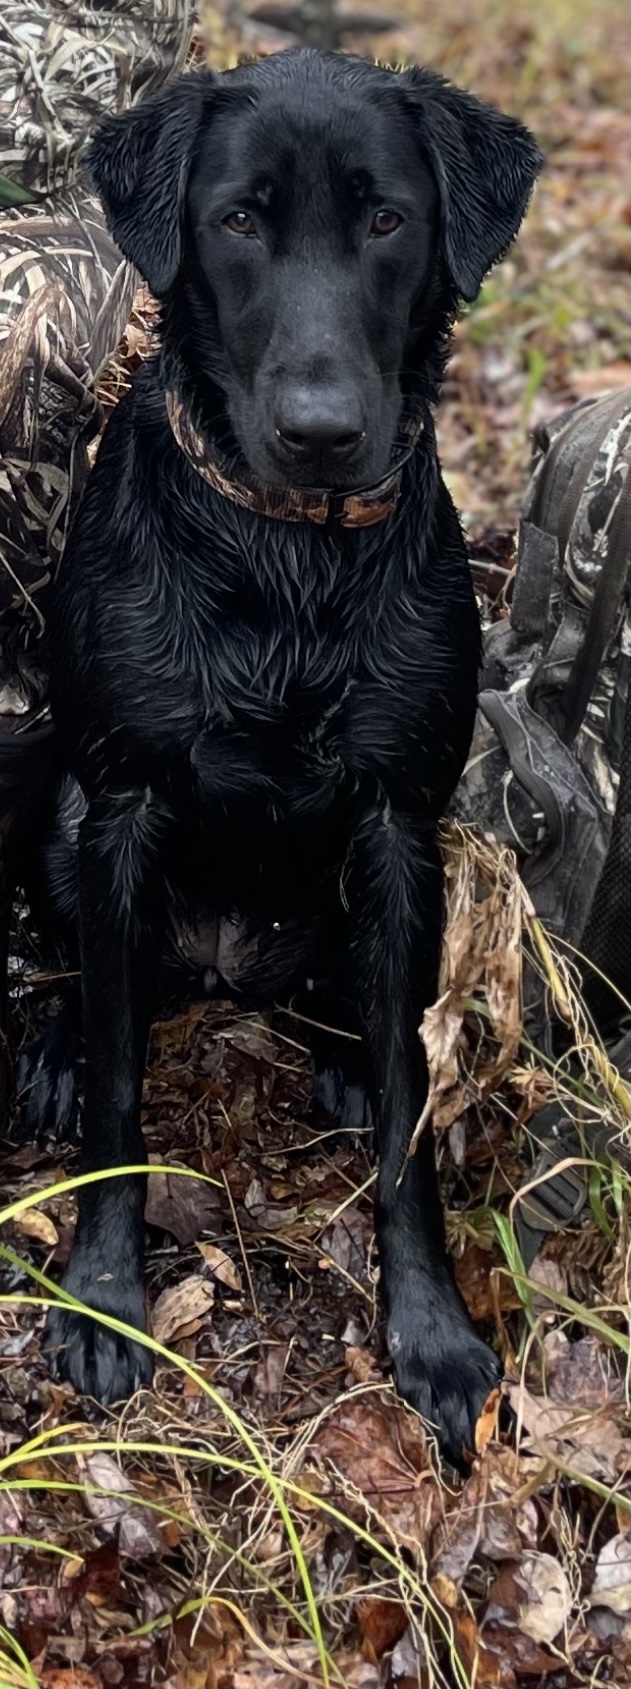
(395, 888)
(121, 914)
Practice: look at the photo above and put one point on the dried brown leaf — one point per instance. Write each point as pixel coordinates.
(362, 1366)
(69, 1677)
(581, 1374)
(183, 1206)
(38, 1225)
(376, 1457)
(533, 1593)
(257, 1671)
(221, 1266)
(487, 1425)
(138, 1534)
(409, 1658)
(270, 1372)
(180, 1310)
(612, 1583)
(482, 1294)
(520, 1654)
(590, 1443)
(488, 1670)
(551, 1275)
(267, 1215)
(381, 1624)
(481, 960)
(485, 1518)
(346, 1243)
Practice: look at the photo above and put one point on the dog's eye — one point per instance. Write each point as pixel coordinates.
(385, 222)
(240, 222)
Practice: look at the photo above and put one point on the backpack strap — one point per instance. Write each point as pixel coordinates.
(603, 613)
(607, 410)
(612, 409)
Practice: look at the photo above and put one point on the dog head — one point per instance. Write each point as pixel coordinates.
(311, 221)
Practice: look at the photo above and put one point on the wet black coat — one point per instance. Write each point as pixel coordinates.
(267, 719)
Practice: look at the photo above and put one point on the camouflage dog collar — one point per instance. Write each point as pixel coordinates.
(359, 509)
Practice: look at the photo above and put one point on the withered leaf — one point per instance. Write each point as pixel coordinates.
(612, 1583)
(221, 1266)
(409, 1657)
(346, 1243)
(518, 1653)
(69, 1677)
(182, 1308)
(533, 1593)
(38, 1225)
(183, 1206)
(483, 1519)
(481, 958)
(487, 1424)
(492, 1670)
(257, 1671)
(375, 1457)
(270, 1372)
(590, 1443)
(381, 1624)
(268, 1215)
(583, 1373)
(473, 1277)
(362, 1366)
(137, 1530)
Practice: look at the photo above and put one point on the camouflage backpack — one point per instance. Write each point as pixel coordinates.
(549, 771)
(550, 767)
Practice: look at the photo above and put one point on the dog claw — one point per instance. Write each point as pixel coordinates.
(445, 1371)
(98, 1361)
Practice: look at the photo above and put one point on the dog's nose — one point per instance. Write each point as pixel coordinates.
(320, 424)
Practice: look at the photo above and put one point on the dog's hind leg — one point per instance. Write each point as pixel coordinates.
(395, 892)
(121, 895)
(46, 1065)
(46, 1071)
(327, 1018)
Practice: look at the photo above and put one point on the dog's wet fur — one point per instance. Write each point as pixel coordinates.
(268, 718)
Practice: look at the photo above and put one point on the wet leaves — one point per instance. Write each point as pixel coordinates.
(221, 1266)
(590, 1444)
(481, 959)
(612, 1583)
(183, 1206)
(179, 1311)
(109, 1497)
(532, 1594)
(376, 1458)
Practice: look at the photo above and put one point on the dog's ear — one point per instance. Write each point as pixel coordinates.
(485, 165)
(139, 162)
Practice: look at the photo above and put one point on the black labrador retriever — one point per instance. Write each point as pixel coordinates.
(265, 641)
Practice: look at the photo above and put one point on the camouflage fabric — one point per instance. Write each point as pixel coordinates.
(545, 775)
(66, 63)
(65, 290)
(593, 444)
(292, 504)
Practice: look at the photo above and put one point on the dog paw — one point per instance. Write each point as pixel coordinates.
(96, 1360)
(46, 1085)
(346, 1104)
(442, 1368)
